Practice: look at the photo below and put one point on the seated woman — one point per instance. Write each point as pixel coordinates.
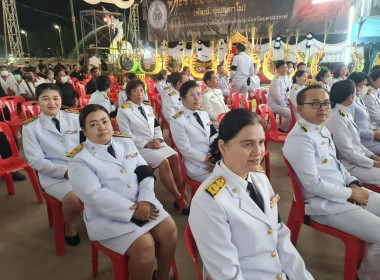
(234, 214)
(122, 95)
(136, 118)
(369, 135)
(371, 98)
(116, 186)
(46, 141)
(339, 74)
(187, 71)
(324, 79)
(299, 82)
(356, 158)
(193, 132)
(162, 85)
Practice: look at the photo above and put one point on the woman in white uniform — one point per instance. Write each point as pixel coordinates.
(234, 214)
(299, 82)
(187, 71)
(120, 208)
(136, 118)
(324, 79)
(193, 132)
(371, 98)
(339, 74)
(162, 85)
(47, 139)
(357, 159)
(369, 135)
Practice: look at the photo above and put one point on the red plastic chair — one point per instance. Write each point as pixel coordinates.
(12, 103)
(159, 108)
(74, 81)
(119, 262)
(84, 100)
(192, 249)
(186, 180)
(239, 99)
(202, 85)
(293, 121)
(30, 109)
(220, 117)
(273, 135)
(88, 76)
(82, 90)
(15, 163)
(354, 246)
(114, 125)
(374, 188)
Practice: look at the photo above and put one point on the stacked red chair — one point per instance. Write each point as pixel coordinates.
(11, 102)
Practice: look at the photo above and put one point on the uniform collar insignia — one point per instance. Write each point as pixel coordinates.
(343, 113)
(305, 128)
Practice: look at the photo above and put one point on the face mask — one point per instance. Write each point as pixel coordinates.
(51, 76)
(362, 91)
(17, 77)
(27, 78)
(291, 70)
(64, 79)
(328, 80)
(4, 73)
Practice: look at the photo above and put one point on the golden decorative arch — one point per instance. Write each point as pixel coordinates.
(238, 38)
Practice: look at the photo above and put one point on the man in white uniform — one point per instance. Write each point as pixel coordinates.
(171, 102)
(241, 70)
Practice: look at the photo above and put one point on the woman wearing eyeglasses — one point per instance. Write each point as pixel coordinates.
(357, 159)
(193, 132)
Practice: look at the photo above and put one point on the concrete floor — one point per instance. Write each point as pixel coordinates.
(27, 249)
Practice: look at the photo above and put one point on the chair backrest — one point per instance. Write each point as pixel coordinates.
(192, 249)
(293, 120)
(30, 109)
(266, 110)
(82, 90)
(298, 201)
(74, 81)
(88, 76)
(238, 99)
(4, 128)
(202, 85)
(11, 102)
(84, 100)
(114, 125)
(220, 117)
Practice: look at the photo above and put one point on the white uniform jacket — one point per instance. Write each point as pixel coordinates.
(132, 122)
(46, 148)
(293, 98)
(171, 103)
(347, 139)
(223, 82)
(162, 87)
(235, 238)
(372, 103)
(122, 97)
(310, 150)
(108, 186)
(334, 80)
(101, 98)
(213, 102)
(278, 92)
(192, 140)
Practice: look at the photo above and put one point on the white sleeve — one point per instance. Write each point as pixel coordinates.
(123, 123)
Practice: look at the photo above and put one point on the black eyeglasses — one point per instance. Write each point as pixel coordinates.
(318, 104)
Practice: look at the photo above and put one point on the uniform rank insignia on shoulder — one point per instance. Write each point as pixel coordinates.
(72, 111)
(201, 109)
(121, 135)
(261, 169)
(216, 186)
(296, 88)
(176, 116)
(106, 96)
(343, 113)
(147, 103)
(126, 105)
(368, 92)
(305, 128)
(166, 88)
(30, 120)
(75, 151)
(172, 93)
(274, 200)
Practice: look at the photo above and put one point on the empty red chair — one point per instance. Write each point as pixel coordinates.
(192, 249)
(11, 102)
(119, 262)
(293, 121)
(353, 245)
(30, 109)
(15, 163)
(239, 99)
(272, 134)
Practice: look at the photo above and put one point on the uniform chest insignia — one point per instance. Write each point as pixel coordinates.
(166, 88)
(305, 128)
(296, 88)
(261, 169)
(147, 103)
(325, 161)
(131, 156)
(322, 143)
(71, 131)
(343, 113)
(126, 105)
(274, 200)
(216, 187)
(172, 93)
(30, 120)
(150, 115)
(368, 92)
(176, 116)
(75, 151)
(72, 111)
(121, 135)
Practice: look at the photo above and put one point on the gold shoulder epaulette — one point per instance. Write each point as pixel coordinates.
(310, 82)
(343, 113)
(75, 151)
(216, 186)
(177, 115)
(166, 88)
(201, 109)
(121, 135)
(147, 103)
(172, 93)
(126, 105)
(72, 111)
(368, 92)
(261, 169)
(106, 96)
(30, 120)
(305, 128)
(296, 87)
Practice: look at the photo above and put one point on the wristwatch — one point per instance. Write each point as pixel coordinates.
(356, 182)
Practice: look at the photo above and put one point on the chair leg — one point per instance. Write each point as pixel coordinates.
(119, 268)
(95, 253)
(351, 258)
(175, 272)
(9, 183)
(182, 197)
(294, 225)
(33, 180)
(50, 216)
(59, 232)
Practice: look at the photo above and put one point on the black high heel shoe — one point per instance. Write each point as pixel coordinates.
(184, 211)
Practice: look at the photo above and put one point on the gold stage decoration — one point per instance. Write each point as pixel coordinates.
(268, 56)
(254, 54)
(317, 56)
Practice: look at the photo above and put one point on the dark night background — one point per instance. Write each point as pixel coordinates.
(40, 25)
